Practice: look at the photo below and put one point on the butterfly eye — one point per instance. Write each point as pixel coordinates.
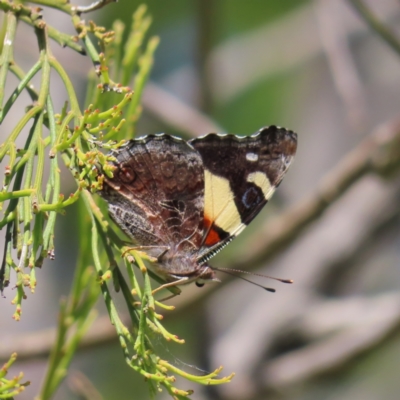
(199, 284)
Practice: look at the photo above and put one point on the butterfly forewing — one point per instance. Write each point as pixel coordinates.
(241, 174)
(158, 179)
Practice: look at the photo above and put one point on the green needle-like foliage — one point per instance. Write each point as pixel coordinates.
(31, 197)
(9, 388)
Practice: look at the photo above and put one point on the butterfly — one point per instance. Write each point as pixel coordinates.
(183, 201)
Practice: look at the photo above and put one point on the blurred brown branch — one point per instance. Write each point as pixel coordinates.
(336, 45)
(177, 114)
(356, 325)
(287, 43)
(81, 386)
(38, 344)
(380, 28)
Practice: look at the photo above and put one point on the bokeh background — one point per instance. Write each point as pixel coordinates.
(234, 66)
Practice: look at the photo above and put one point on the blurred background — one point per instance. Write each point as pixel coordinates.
(333, 226)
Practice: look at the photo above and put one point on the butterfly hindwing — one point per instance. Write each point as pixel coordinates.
(158, 191)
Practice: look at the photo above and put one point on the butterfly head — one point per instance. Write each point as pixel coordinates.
(206, 275)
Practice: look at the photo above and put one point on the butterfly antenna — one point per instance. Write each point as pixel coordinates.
(254, 274)
(233, 273)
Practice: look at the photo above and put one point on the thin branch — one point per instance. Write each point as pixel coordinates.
(82, 387)
(380, 28)
(7, 55)
(207, 19)
(38, 344)
(62, 39)
(177, 114)
(94, 6)
(287, 44)
(335, 43)
(367, 331)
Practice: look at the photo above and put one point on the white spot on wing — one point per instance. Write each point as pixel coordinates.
(251, 157)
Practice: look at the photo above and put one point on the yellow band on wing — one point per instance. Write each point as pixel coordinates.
(261, 180)
(219, 203)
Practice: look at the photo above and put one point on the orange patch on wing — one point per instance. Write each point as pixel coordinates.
(212, 236)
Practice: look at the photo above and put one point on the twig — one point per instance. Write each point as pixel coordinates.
(94, 6)
(38, 344)
(287, 44)
(80, 385)
(334, 41)
(381, 29)
(206, 11)
(375, 320)
(7, 52)
(176, 113)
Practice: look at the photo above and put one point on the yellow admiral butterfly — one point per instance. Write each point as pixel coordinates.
(183, 201)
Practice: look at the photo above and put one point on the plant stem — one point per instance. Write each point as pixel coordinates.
(7, 52)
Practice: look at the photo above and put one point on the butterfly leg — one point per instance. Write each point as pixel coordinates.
(171, 296)
(143, 253)
(170, 284)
